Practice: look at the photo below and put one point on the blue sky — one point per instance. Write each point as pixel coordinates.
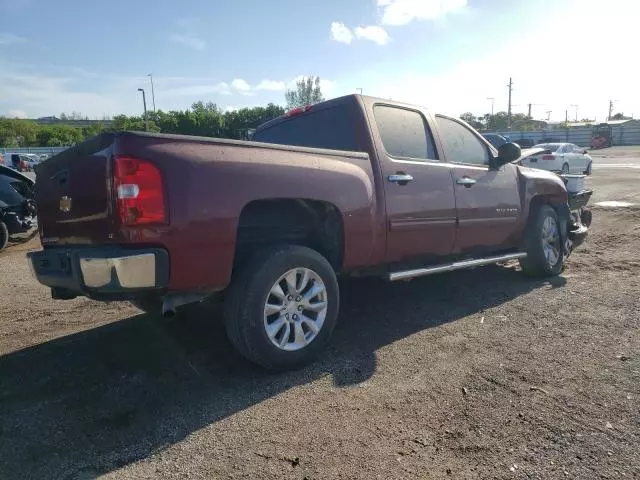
(449, 55)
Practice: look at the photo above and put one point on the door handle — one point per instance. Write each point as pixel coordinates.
(400, 178)
(466, 181)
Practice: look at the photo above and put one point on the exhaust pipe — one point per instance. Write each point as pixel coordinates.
(172, 301)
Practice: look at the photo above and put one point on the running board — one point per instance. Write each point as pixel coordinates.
(448, 267)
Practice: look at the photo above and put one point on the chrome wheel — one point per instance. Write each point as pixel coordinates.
(295, 309)
(551, 241)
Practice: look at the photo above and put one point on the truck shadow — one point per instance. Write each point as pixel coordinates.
(98, 400)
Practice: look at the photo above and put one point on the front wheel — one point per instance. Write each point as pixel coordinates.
(565, 169)
(4, 235)
(543, 244)
(282, 307)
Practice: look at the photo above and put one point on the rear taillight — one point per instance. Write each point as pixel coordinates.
(548, 157)
(139, 192)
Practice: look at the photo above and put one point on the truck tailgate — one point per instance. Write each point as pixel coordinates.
(73, 194)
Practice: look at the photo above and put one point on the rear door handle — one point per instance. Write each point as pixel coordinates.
(400, 178)
(466, 181)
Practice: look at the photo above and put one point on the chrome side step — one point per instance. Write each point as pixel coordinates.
(448, 267)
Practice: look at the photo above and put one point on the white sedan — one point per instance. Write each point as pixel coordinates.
(560, 157)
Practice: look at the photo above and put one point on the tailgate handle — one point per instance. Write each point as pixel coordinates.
(61, 178)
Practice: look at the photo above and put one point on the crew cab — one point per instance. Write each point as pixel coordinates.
(352, 186)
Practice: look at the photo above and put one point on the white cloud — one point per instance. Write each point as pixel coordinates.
(188, 40)
(341, 33)
(240, 85)
(16, 114)
(402, 12)
(465, 86)
(374, 33)
(11, 39)
(270, 85)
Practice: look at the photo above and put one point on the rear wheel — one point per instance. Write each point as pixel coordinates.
(282, 307)
(543, 244)
(565, 169)
(4, 235)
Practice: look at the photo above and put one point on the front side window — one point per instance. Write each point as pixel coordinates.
(404, 133)
(460, 144)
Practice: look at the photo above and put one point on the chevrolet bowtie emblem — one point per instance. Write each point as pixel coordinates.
(65, 204)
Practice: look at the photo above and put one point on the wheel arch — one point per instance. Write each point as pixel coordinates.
(309, 222)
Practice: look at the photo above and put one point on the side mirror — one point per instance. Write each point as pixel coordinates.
(507, 152)
(585, 151)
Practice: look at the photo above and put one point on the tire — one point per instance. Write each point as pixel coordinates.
(539, 261)
(588, 170)
(4, 235)
(250, 295)
(149, 304)
(565, 169)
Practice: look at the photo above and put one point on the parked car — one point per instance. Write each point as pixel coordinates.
(561, 157)
(525, 143)
(17, 161)
(17, 206)
(352, 186)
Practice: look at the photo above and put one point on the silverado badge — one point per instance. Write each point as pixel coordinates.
(65, 204)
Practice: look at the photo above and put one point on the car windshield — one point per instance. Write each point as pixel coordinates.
(552, 147)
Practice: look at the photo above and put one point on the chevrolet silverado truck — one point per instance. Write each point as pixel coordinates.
(352, 186)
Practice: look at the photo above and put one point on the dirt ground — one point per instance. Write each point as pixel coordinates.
(472, 374)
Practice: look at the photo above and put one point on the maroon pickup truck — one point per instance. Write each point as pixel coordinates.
(355, 185)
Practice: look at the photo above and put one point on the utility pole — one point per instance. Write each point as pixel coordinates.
(144, 104)
(549, 115)
(490, 118)
(610, 109)
(576, 107)
(566, 116)
(529, 111)
(509, 110)
(153, 95)
(360, 90)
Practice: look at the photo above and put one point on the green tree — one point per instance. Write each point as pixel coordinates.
(471, 119)
(307, 92)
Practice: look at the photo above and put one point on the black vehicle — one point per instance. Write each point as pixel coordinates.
(17, 205)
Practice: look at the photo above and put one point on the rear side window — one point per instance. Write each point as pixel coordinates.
(324, 128)
(404, 133)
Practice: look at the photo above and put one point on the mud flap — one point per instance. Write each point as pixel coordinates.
(564, 214)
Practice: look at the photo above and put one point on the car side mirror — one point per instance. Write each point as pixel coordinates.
(507, 152)
(585, 151)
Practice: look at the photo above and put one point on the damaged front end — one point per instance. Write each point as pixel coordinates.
(576, 217)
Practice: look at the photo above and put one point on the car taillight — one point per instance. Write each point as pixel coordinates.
(548, 157)
(139, 192)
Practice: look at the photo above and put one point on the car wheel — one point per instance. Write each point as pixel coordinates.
(565, 169)
(281, 307)
(588, 170)
(543, 244)
(4, 235)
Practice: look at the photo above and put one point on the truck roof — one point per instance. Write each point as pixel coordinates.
(345, 99)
